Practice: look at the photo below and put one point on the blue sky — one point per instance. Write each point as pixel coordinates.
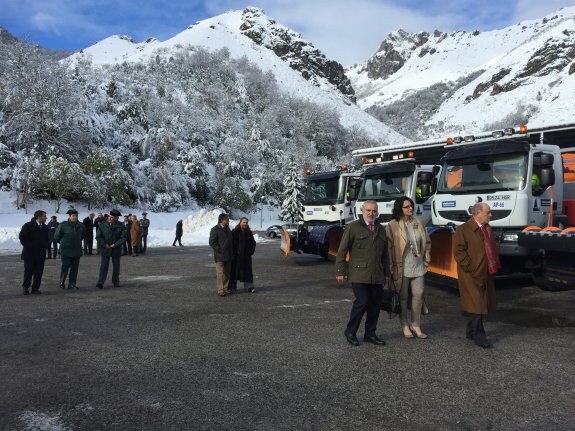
(348, 31)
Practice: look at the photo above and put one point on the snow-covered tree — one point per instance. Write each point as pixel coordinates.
(291, 205)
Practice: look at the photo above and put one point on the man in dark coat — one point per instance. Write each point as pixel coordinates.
(222, 243)
(477, 261)
(52, 245)
(144, 224)
(34, 239)
(69, 235)
(110, 237)
(88, 234)
(368, 268)
(127, 247)
(179, 233)
(244, 248)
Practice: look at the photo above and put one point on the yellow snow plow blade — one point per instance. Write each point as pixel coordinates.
(285, 245)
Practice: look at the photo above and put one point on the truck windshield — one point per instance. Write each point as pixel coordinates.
(323, 192)
(385, 187)
(489, 173)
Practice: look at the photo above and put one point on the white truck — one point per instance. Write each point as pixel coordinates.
(392, 172)
(328, 204)
(518, 173)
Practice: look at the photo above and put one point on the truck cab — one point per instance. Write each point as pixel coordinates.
(514, 176)
(386, 182)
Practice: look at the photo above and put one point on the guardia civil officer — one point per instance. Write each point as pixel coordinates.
(110, 237)
(69, 234)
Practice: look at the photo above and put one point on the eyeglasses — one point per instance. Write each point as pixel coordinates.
(407, 207)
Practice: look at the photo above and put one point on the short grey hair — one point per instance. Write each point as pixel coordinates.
(369, 201)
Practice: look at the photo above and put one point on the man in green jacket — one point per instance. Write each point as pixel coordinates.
(110, 237)
(367, 270)
(70, 234)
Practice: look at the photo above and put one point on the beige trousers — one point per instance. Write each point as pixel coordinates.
(416, 300)
(223, 270)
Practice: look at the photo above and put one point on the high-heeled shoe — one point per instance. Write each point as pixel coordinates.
(407, 332)
(418, 332)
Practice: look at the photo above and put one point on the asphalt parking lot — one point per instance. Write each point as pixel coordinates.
(164, 352)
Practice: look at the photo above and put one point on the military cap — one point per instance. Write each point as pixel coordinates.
(72, 211)
(115, 213)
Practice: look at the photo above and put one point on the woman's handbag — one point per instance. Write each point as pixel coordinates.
(390, 299)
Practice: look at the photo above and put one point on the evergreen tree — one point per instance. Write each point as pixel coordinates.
(291, 205)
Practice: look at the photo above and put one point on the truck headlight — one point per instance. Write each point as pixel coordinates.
(510, 237)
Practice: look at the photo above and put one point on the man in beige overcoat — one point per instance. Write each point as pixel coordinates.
(477, 260)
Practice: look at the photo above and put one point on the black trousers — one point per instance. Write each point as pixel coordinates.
(367, 301)
(52, 245)
(144, 243)
(179, 239)
(475, 329)
(33, 269)
(88, 245)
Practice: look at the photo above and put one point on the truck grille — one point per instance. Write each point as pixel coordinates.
(462, 216)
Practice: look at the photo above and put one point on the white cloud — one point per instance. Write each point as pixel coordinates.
(46, 22)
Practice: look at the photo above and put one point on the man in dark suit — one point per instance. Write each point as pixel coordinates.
(88, 234)
(34, 239)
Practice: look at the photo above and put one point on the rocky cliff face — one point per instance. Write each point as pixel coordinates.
(471, 80)
(298, 53)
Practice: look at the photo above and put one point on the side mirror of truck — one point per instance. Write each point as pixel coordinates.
(547, 177)
(425, 190)
(435, 170)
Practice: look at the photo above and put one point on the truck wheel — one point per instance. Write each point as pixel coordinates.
(272, 235)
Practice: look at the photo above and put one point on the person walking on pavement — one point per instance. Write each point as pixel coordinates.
(222, 243)
(179, 233)
(244, 248)
(477, 257)
(34, 239)
(52, 245)
(88, 234)
(410, 253)
(110, 237)
(69, 235)
(135, 236)
(368, 268)
(144, 224)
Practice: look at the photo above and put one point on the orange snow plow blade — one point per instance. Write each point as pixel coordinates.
(442, 261)
(333, 240)
(285, 245)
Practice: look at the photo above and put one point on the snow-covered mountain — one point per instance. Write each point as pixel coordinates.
(300, 69)
(466, 82)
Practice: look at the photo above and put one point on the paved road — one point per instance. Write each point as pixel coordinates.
(164, 352)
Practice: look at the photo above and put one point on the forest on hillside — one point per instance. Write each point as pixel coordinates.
(189, 126)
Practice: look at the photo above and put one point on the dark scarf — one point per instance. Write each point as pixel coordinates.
(493, 263)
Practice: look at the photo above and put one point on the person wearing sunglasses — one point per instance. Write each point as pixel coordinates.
(409, 249)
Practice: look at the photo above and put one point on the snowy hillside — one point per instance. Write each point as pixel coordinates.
(251, 34)
(477, 79)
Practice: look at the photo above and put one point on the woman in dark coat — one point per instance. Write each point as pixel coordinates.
(244, 248)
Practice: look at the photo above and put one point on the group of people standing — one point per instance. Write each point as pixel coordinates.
(40, 242)
(371, 256)
(233, 251)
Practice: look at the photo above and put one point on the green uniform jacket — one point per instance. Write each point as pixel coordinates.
(70, 236)
(369, 258)
(111, 234)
